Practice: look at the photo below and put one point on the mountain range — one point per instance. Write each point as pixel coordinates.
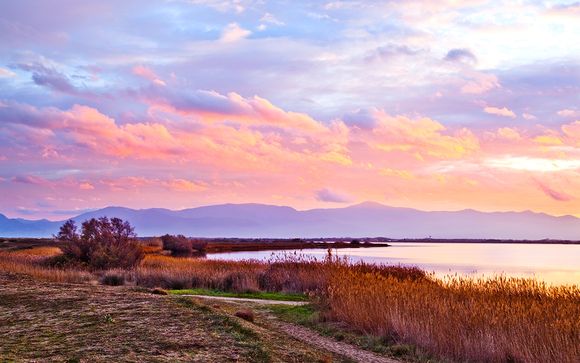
(367, 219)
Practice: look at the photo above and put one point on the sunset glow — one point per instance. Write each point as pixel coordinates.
(434, 105)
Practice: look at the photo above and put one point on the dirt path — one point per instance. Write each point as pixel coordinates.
(350, 351)
(243, 299)
(302, 334)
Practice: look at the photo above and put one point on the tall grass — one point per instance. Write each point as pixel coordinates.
(32, 262)
(495, 320)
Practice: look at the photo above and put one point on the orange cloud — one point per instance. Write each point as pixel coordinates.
(421, 136)
(183, 185)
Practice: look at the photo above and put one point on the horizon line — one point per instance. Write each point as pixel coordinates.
(90, 210)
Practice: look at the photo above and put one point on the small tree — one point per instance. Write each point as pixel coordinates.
(101, 244)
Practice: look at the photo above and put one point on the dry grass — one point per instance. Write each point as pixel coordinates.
(497, 320)
(55, 322)
(32, 262)
(184, 273)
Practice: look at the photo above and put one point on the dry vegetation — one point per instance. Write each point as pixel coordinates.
(498, 320)
(44, 321)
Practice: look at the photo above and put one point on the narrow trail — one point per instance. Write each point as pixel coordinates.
(303, 334)
(243, 299)
(347, 350)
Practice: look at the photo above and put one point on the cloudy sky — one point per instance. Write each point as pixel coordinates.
(435, 105)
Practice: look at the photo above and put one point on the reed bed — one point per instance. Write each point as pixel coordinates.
(493, 320)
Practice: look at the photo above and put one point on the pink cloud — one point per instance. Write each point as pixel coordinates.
(554, 194)
(86, 186)
(256, 151)
(480, 83)
(148, 74)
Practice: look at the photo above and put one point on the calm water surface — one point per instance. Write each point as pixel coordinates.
(555, 264)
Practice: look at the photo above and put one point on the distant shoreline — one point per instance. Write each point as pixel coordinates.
(224, 245)
(496, 241)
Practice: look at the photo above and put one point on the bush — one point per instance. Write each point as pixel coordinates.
(199, 245)
(101, 244)
(113, 278)
(181, 245)
(178, 245)
(245, 314)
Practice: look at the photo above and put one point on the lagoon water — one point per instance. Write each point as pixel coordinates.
(552, 263)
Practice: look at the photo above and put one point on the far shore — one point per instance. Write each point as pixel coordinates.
(221, 245)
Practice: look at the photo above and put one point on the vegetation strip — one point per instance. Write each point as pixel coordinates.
(309, 316)
(246, 295)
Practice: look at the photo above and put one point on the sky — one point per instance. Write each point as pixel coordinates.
(434, 105)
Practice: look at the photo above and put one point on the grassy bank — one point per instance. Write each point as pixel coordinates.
(496, 320)
(260, 295)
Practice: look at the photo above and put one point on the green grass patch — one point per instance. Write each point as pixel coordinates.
(301, 314)
(279, 296)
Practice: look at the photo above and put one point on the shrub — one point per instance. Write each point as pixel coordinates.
(159, 291)
(101, 244)
(113, 278)
(245, 314)
(178, 245)
(181, 245)
(199, 245)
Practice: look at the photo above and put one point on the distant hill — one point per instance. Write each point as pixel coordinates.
(365, 219)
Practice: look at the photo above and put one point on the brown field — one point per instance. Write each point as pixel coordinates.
(61, 322)
(497, 320)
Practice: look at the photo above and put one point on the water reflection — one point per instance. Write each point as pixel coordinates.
(555, 264)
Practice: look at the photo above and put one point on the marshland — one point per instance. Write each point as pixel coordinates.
(398, 312)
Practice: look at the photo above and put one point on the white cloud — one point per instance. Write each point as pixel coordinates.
(533, 164)
(504, 111)
(568, 113)
(233, 32)
(271, 19)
